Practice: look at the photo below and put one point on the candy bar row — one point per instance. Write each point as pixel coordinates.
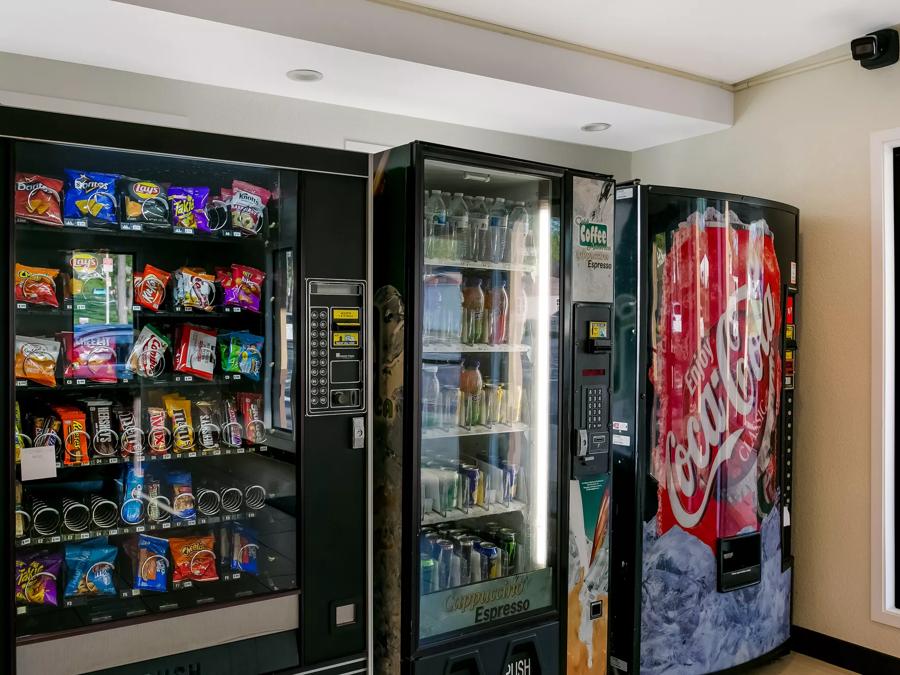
(83, 430)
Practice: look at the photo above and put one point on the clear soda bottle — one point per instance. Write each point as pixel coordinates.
(435, 223)
(458, 215)
(498, 226)
(499, 313)
(473, 310)
(517, 232)
(478, 228)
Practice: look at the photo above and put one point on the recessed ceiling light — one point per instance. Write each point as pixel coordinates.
(304, 75)
(596, 126)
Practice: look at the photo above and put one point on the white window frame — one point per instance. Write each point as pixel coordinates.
(883, 582)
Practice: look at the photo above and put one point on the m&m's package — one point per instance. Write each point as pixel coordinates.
(90, 198)
(189, 206)
(91, 565)
(36, 285)
(37, 577)
(179, 412)
(193, 558)
(144, 203)
(241, 352)
(38, 199)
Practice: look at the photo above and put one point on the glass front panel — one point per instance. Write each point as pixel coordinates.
(488, 397)
(154, 457)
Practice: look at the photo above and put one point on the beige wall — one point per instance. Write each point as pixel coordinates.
(804, 140)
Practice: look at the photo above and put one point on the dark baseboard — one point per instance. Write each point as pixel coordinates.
(843, 654)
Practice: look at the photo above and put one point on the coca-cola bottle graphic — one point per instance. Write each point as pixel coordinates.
(716, 375)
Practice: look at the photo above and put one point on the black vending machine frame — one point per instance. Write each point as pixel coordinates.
(331, 242)
(399, 255)
(631, 402)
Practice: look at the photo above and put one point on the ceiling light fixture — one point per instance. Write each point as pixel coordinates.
(304, 75)
(596, 126)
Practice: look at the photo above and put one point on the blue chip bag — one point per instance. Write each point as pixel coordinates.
(151, 565)
(244, 549)
(91, 568)
(90, 198)
(182, 496)
(132, 506)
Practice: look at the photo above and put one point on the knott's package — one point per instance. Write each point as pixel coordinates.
(716, 373)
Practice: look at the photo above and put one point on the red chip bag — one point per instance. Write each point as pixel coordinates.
(38, 199)
(196, 351)
(36, 285)
(193, 558)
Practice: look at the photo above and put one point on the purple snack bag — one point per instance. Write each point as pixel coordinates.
(188, 206)
(37, 575)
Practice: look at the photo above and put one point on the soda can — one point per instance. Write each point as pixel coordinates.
(427, 541)
(466, 544)
(491, 530)
(510, 480)
(447, 484)
(443, 558)
(472, 484)
(454, 536)
(493, 396)
(426, 572)
(509, 545)
(490, 560)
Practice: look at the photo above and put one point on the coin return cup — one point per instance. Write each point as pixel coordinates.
(232, 499)
(104, 512)
(45, 519)
(255, 497)
(76, 516)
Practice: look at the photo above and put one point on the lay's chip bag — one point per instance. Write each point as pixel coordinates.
(90, 199)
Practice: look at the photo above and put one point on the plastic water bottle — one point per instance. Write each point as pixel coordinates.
(473, 311)
(431, 397)
(435, 223)
(498, 227)
(458, 214)
(517, 233)
(478, 228)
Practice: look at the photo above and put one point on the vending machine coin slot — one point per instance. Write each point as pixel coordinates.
(591, 382)
(335, 351)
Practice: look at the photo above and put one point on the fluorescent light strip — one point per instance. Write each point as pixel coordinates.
(541, 418)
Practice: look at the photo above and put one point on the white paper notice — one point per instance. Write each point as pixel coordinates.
(786, 518)
(38, 462)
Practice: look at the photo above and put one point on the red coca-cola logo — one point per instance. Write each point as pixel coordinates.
(717, 376)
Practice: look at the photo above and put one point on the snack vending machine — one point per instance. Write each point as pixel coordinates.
(706, 287)
(185, 395)
(473, 322)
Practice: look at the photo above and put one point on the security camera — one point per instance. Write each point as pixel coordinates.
(876, 50)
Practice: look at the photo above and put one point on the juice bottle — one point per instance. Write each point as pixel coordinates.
(472, 386)
(473, 311)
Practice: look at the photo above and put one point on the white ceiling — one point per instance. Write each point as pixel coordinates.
(148, 41)
(726, 40)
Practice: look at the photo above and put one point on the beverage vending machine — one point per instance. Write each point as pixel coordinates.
(184, 394)
(703, 400)
(473, 330)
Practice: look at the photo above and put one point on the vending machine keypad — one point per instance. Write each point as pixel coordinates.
(335, 355)
(591, 381)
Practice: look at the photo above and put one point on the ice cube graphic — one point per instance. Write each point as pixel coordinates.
(688, 627)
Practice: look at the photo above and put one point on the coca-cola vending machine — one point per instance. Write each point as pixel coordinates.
(702, 418)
